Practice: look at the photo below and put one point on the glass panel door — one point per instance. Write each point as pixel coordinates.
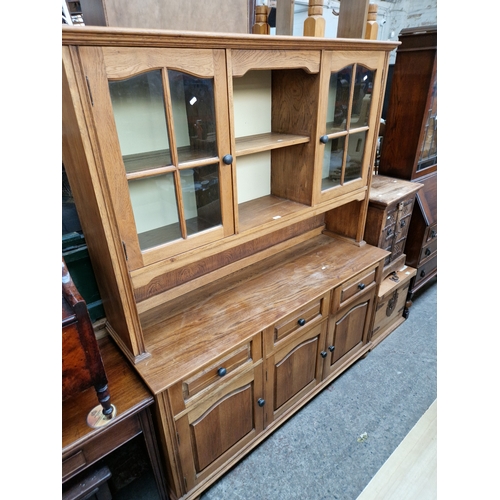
(165, 121)
(347, 120)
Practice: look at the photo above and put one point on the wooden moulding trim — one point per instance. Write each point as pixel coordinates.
(123, 347)
(128, 37)
(180, 288)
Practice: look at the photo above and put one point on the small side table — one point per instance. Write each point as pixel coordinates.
(83, 446)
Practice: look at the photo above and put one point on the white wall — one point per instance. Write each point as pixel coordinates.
(392, 16)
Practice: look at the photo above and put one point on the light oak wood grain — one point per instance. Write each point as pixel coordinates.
(411, 471)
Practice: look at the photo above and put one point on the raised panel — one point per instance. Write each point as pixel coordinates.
(222, 426)
(349, 330)
(295, 371)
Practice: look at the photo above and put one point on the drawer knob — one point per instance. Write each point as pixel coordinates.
(427, 251)
(323, 139)
(331, 348)
(221, 372)
(422, 274)
(403, 223)
(324, 354)
(301, 322)
(228, 159)
(361, 286)
(433, 234)
(261, 402)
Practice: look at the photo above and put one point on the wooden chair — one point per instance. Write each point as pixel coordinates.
(82, 365)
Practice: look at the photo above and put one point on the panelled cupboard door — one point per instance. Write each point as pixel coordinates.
(348, 332)
(349, 111)
(219, 426)
(161, 117)
(293, 371)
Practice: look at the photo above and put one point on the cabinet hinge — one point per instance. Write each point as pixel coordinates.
(125, 250)
(90, 92)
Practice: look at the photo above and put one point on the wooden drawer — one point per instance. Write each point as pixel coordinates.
(431, 233)
(346, 292)
(426, 269)
(215, 373)
(428, 250)
(110, 438)
(308, 315)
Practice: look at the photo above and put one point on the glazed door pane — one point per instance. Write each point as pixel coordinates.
(139, 112)
(349, 104)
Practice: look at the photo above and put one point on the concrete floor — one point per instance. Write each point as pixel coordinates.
(334, 445)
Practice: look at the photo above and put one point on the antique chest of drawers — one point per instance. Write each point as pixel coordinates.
(388, 219)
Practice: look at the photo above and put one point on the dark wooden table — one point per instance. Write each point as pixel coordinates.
(83, 446)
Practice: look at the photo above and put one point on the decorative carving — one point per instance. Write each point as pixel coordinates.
(392, 303)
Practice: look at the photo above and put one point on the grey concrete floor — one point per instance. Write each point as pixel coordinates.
(335, 444)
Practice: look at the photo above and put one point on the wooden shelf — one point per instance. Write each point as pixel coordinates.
(265, 142)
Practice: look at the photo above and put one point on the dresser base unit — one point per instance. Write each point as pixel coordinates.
(244, 353)
(393, 303)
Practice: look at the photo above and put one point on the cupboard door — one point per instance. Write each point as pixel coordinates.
(349, 116)
(293, 371)
(221, 425)
(348, 333)
(162, 126)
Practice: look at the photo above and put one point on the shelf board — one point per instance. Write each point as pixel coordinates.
(267, 141)
(265, 210)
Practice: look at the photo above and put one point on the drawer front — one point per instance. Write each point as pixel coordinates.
(426, 269)
(353, 287)
(311, 313)
(428, 250)
(215, 374)
(103, 443)
(431, 233)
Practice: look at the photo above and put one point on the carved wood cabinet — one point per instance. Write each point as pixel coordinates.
(409, 147)
(222, 184)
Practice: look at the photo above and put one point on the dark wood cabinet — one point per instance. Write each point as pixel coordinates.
(409, 145)
(389, 217)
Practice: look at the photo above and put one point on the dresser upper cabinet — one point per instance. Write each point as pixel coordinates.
(188, 152)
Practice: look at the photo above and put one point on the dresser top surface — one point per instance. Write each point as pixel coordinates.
(385, 191)
(215, 319)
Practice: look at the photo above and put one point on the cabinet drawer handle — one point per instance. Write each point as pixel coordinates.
(324, 354)
(221, 372)
(403, 223)
(427, 251)
(422, 274)
(331, 348)
(261, 402)
(301, 322)
(433, 234)
(323, 139)
(228, 159)
(361, 286)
